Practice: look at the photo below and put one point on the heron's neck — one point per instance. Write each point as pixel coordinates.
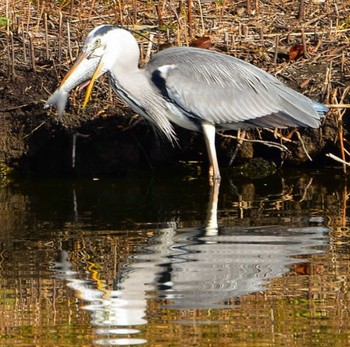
(124, 75)
(134, 87)
(130, 83)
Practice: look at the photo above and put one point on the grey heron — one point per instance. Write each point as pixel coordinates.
(197, 89)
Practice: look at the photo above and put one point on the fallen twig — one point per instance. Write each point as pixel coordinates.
(338, 105)
(34, 130)
(13, 108)
(240, 138)
(303, 145)
(334, 157)
(279, 146)
(74, 145)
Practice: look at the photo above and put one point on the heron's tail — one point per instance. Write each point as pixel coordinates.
(320, 108)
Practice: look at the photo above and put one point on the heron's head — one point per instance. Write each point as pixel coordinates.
(105, 48)
(113, 45)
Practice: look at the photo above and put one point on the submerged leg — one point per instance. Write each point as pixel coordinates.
(211, 225)
(209, 137)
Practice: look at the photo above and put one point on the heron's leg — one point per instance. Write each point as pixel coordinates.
(211, 225)
(209, 137)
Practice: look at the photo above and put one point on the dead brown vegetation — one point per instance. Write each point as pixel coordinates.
(305, 44)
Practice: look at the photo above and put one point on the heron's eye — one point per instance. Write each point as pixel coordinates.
(97, 42)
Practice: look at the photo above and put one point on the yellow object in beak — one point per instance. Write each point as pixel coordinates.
(93, 79)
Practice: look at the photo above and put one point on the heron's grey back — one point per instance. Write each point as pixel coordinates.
(229, 92)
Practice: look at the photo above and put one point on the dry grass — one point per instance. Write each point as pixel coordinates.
(44, 38)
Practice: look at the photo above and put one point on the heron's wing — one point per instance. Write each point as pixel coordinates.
(225, 90)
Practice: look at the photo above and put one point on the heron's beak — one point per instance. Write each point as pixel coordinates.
(85, 70)
(73, 68)
(93, 78)
(91, 84)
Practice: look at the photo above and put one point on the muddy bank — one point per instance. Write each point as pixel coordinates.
(109, 139)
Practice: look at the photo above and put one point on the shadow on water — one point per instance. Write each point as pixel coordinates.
(129, 250)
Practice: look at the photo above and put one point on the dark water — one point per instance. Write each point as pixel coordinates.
(173, 262)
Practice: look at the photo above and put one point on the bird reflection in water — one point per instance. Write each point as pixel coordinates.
(199, 268)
